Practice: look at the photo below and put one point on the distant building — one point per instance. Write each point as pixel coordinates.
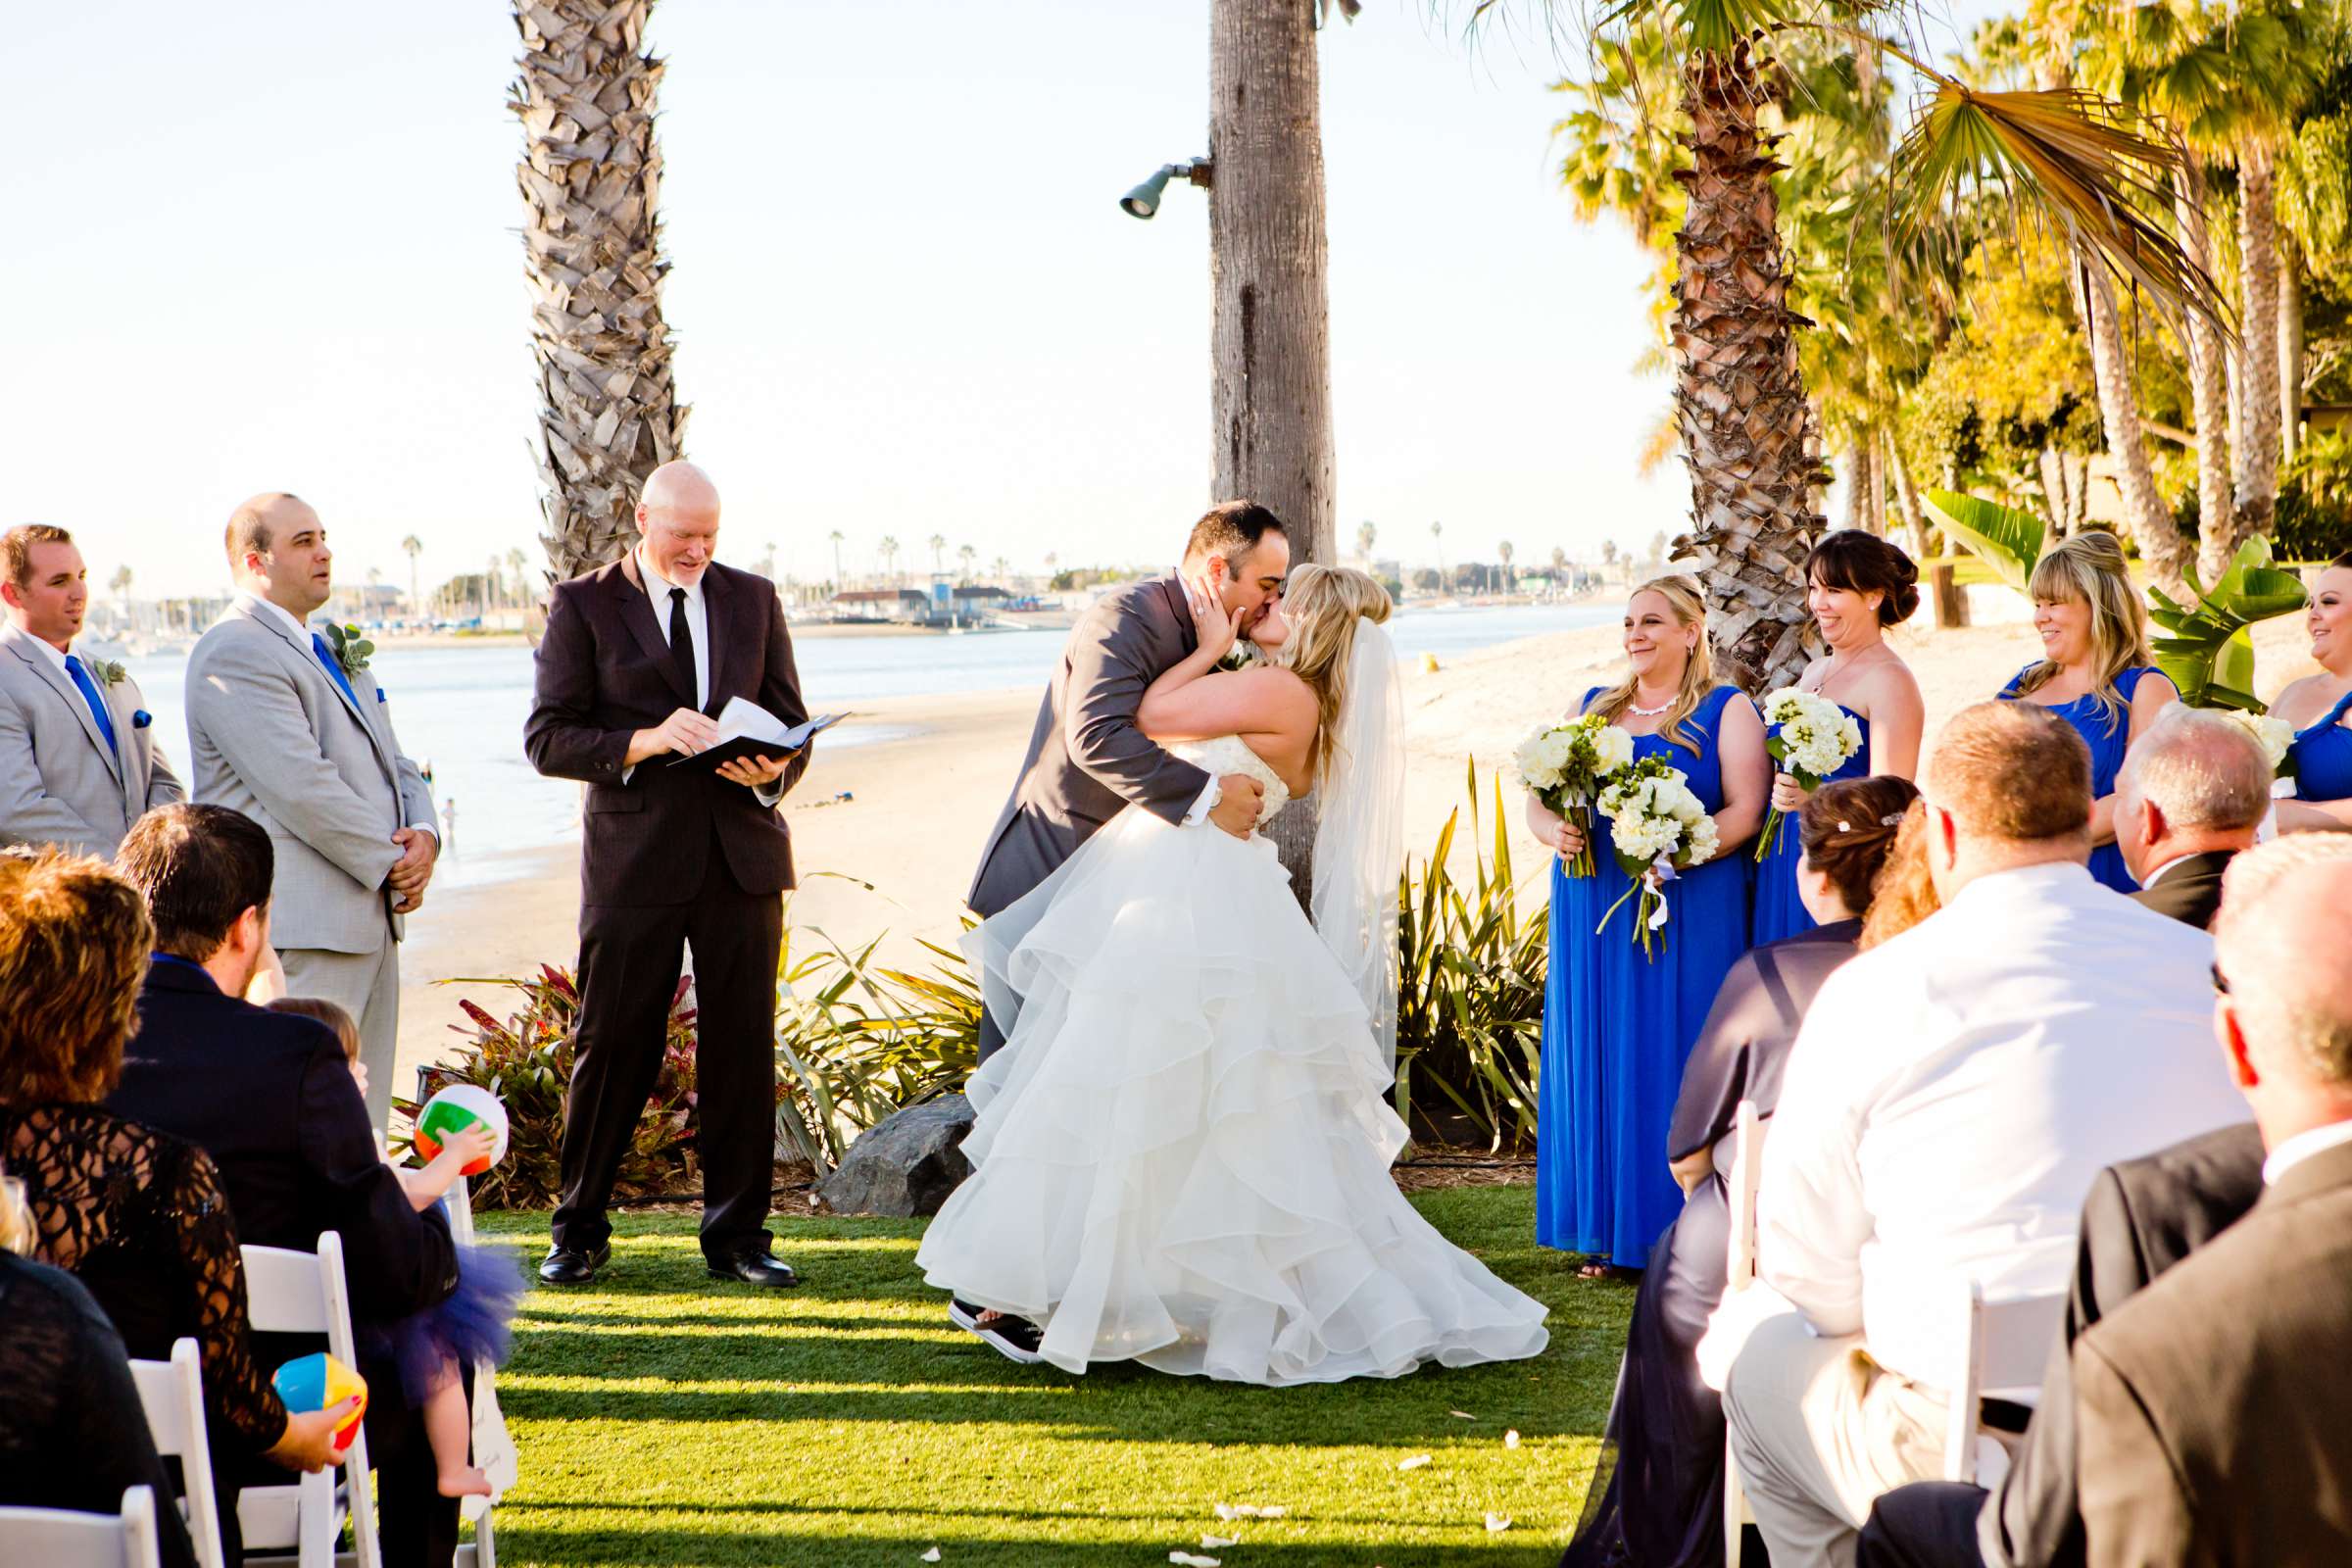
(882, 604)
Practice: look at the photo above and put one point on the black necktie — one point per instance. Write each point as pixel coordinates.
(681, 647)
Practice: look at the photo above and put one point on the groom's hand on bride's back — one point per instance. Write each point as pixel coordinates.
(1240, 798)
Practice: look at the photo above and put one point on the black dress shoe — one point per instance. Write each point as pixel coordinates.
(753, 1268)
(573, 1265)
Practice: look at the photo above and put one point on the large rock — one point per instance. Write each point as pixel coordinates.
(904, 1166)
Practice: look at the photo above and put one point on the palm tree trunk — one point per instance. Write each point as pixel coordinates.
(2162, 545)
(1268, 266)
(1268, 263)
(1907, 500)
(1857, 486)
(2290, 347)
(2208, 388)
(1738, 395)
(590, 178)
(2257, 453)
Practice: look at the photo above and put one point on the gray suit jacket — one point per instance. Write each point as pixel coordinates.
(60, 782)
(2211, 1407)
(1087, 761)
(274, 737)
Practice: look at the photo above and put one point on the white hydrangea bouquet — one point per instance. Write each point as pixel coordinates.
(1813, 740)
(1564, 765)
(2276, 737)
(1658, 828)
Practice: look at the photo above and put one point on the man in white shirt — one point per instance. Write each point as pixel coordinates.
(291, 728)
(1947, 1104)
(78, 762)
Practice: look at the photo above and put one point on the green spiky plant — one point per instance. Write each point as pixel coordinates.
(2207, 650)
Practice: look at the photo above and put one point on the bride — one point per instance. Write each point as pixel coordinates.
(1182, 1153)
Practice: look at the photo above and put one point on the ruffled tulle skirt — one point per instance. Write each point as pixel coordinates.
(1181, 1154)
(475, 1325)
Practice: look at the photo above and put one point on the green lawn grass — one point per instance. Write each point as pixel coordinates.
(664, 1418)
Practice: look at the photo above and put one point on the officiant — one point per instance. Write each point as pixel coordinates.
(638, 658)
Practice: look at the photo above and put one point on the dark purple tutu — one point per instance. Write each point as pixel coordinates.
(470, 1327)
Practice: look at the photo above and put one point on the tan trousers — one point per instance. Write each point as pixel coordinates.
(1819, 1430)
(365, 985)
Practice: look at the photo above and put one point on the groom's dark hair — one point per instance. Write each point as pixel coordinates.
(1232, 530)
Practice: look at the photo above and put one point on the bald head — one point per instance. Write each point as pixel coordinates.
(277, 550)
(2196, 783)
(678, 515)
(2284, 948)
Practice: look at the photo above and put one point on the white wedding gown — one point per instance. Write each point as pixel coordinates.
(1182, 1153)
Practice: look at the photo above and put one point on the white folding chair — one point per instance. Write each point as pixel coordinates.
(1740, 1272)
(2004, 1351)
(172, 1392)
(304, 1293)
(489, 1424)
(63, 1537)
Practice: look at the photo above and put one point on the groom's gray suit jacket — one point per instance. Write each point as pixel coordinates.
(1087, 761)
(60, 782)
(274, 736)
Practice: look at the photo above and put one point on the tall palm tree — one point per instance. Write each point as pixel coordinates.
(1365, 534)
(939, 544)
(889, 549)
(518, 566)
(413, 547)
(1503, 551)
(590, 178)
(1437, 534)
(999, 568)
(836, 537)
(966, 555)
(119, 582)
(1739, 395)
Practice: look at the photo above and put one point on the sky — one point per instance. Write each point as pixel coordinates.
(273, 245)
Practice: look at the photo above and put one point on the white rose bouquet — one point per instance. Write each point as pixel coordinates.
(1659, 827)
(2274, 735)
(1813, 738)
(1563, 766)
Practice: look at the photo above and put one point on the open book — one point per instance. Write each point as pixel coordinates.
(746, 730)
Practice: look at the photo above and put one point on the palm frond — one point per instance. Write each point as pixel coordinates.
(2088, 164)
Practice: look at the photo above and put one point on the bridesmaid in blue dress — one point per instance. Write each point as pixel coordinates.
(1617, 1025)
(2095, 674)
(1857, 586)
(2319, 707)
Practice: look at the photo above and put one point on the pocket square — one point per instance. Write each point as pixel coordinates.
(381, 695)
(141, 719)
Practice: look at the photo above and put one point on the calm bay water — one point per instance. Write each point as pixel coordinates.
(460, 710)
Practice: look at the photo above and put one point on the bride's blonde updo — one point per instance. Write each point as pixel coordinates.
(1322, 605)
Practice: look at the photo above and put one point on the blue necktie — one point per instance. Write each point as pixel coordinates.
(89, 694)
(327, 657)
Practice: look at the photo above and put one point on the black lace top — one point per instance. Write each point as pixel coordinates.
(72, 1433)
(138, 1218)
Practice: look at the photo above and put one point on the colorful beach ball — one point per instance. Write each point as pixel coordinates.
(314, 1381)
(456, 1108)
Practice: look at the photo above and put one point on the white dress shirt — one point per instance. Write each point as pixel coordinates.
(254, 603)
(1953, 1094)
(2300, 1148)
(1214, 790)
(697, 620)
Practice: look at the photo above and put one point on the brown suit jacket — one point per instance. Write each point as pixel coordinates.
(1087, 761)
(2214, 1408)
(604, 671)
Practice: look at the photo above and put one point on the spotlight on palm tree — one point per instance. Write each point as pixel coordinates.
(1144, 200)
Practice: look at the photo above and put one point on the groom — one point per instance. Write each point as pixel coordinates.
(1087, 761)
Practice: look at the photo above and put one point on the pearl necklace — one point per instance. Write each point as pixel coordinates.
(1633, 706)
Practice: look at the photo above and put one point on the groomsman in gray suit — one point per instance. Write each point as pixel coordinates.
(298, 736)
(78, 762)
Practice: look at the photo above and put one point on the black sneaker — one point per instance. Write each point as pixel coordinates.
(1015, 1339)
(964, 1315)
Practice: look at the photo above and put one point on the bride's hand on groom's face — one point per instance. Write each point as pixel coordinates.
(1212, 624)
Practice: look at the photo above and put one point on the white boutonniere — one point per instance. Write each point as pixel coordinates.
(350, 648)
(110, 672)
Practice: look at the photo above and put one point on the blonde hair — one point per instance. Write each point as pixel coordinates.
(1323, 605)
(2089, 567)
(1681, 595)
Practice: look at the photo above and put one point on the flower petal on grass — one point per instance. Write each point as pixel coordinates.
(1414, 1463)
(1510, 1438)
(932, 1555)
(1185, 1559)
(1461, 1415)
(1213, 1542)
(1498, 1523)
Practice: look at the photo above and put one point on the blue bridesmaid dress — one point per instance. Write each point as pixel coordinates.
(2108, 740)
(1779, 912)
(2323, 757)
(1617, 1025)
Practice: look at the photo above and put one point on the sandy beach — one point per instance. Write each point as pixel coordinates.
(907, 812)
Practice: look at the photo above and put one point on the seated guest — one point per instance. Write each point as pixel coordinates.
(73, 1433)
(272, 1098)
(2210, 1409)
(2189, 796)
(2143, 1216)
(1950, 1099)
(137, 1215)
(1658, 1497)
